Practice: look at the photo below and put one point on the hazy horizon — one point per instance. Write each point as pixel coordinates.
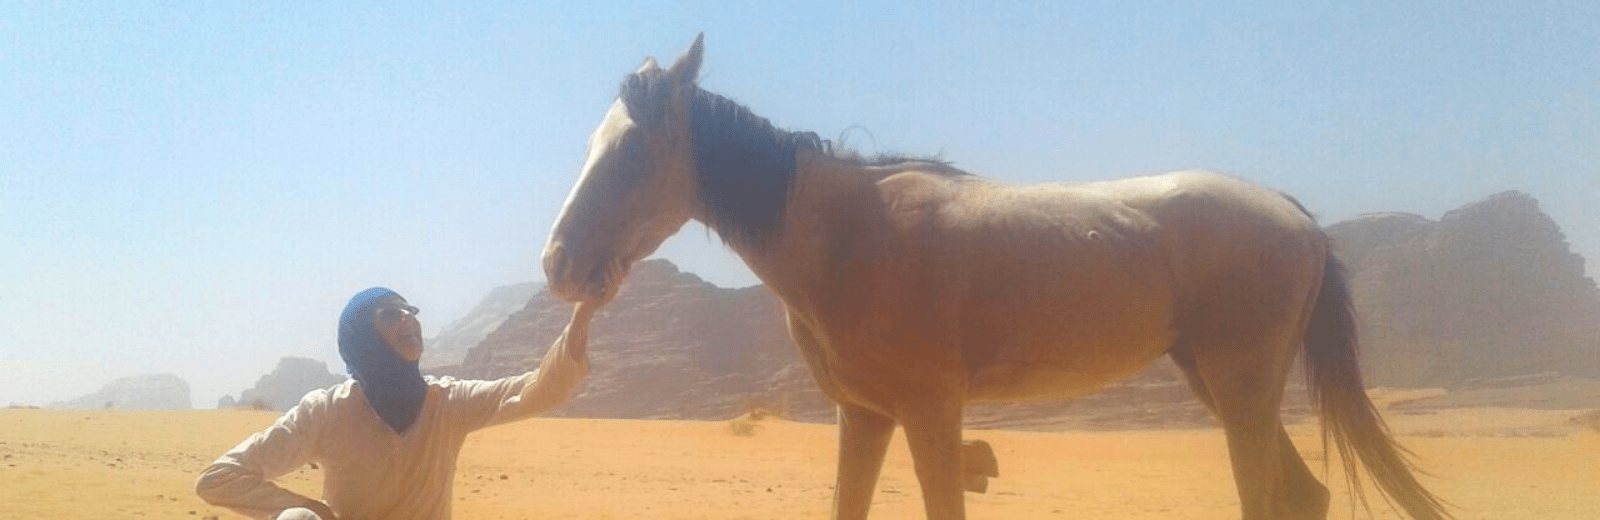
(199, 189)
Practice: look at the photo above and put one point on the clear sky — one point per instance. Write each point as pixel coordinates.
(197, 188)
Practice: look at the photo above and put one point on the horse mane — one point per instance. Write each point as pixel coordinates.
(745, 165)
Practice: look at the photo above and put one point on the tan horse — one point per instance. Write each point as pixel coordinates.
(913, 288)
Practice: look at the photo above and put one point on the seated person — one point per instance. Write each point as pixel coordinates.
(387, 439)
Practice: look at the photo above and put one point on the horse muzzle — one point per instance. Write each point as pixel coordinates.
(578, 279)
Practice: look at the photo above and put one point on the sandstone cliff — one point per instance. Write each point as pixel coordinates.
(450, 346)
(670, 346)
(286, 384)
(1490, 291)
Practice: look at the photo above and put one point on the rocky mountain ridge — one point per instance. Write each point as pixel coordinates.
(285, 385)
(450, 345)
(670, 346)
(1490, 291)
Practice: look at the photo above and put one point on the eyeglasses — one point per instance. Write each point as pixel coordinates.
(396, 312)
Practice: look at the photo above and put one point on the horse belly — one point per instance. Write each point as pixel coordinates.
(1052, 373)
(1087, 329)
(1064, 290)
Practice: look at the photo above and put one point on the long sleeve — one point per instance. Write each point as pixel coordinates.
(241, 480)
(514, 398)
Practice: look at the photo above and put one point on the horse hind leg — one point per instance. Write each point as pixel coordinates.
(1272, 479)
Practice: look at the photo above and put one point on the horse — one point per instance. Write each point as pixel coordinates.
(912, 287)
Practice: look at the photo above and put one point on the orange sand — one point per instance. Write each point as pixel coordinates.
(1494, 464)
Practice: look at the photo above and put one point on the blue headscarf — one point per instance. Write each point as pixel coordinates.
(393, 386)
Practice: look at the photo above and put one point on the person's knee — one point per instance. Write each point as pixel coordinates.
(298, 513)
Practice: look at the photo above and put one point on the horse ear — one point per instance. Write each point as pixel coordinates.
(649, 66)
(688, 65)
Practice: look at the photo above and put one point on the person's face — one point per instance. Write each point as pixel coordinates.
(396, 322)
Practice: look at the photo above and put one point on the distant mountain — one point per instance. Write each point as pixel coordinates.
(450, 346)
(1490, 291)
(288, 382)
(148, 392)
(670, 346)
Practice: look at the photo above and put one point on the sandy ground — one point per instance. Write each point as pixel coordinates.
(1500, 464)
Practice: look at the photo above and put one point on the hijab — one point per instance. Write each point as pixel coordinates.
(393, 386)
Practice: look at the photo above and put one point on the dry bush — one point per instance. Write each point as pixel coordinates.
(748, 423)
(744, 427)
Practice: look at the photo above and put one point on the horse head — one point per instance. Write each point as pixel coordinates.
(637, 185)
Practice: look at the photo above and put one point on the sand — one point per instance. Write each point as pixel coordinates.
(1501, 464)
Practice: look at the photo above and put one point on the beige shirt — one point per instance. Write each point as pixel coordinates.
(371, 472)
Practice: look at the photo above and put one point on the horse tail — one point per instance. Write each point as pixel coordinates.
(1333, 374)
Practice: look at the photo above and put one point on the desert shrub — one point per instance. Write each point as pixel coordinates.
(743, 427)
(748, 423)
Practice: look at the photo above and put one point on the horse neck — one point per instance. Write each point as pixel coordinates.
(832, 228)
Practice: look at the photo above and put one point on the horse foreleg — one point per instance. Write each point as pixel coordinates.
(933, 431)
(863, 439)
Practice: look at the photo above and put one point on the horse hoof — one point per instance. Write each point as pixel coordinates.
(977, 458)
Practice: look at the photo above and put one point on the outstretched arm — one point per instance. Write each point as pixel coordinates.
(564, 366)
(486, 403)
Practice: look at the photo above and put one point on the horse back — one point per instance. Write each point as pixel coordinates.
(1054, 290)
(1027, 285)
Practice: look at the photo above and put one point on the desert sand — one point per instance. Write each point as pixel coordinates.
(1500, 464)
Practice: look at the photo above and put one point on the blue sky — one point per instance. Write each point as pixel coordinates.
(197, 188)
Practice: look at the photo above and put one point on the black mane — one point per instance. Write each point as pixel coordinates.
(745, 166)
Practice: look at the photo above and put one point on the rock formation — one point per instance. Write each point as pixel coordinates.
(1490, 291)
(450, 346)
(148, 392)
(288, 382)
(670, 346)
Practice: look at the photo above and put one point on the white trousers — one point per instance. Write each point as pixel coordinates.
(298, 513)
